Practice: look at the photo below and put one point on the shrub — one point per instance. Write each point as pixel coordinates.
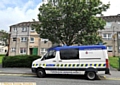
(19, 61)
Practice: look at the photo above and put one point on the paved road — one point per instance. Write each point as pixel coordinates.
(115, 75)
(57, 80)
(25, 75)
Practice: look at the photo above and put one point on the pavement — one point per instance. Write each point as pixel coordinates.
(115, 74)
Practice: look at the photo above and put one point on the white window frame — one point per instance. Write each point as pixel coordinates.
(15, 39)
(107, 36)
(13, 49)
(43, 40)
(33, 40)
(32, 30)
(109, 48)
(23, 39)
(108, 25)
(43, 51)
(24, 50)
(15, 29)
(24, 29)
(1, 49)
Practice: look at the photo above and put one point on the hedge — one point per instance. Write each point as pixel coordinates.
(19, 60)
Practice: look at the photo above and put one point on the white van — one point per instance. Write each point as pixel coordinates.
(87, 60)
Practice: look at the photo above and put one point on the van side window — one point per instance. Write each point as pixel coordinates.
(67, 54)
(50, 54)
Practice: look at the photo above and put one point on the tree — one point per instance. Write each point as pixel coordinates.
(71, 21)
(4, 37)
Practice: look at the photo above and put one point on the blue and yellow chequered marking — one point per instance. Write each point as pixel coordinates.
(73, 65)
(35, 64)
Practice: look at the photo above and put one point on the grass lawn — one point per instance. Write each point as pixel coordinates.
(1, 57)
(114, 62)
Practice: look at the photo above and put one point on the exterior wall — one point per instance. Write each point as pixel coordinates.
(28, 45)
(3, 49)
(44, 45)
(112, 29)
(110, 54)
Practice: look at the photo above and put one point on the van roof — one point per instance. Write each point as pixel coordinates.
(86, 47)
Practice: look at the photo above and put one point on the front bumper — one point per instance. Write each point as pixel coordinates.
(34, 70)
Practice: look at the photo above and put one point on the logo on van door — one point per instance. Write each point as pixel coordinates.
(86, 52)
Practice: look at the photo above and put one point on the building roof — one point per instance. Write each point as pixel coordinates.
(111, 18)
(24, 23)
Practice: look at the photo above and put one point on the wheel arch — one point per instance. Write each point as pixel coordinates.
(91, 69)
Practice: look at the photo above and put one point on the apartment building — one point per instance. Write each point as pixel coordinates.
(109, 34)
(24, 40)
(3, 48)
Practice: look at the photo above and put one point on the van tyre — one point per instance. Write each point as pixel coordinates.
(40, 73)
(91, 75)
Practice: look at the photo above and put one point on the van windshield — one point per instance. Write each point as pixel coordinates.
(50, 54)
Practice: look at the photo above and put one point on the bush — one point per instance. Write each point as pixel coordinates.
(19, 61)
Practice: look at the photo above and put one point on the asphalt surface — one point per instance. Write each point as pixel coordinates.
(115, 74)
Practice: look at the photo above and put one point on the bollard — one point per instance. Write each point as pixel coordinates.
(119, 64)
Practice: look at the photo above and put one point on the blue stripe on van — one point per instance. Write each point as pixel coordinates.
(87, 47)
(50, 64)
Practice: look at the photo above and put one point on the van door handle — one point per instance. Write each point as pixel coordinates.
(54, 60)
(60, 60)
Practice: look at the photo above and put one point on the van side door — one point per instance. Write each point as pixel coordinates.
(68, 61)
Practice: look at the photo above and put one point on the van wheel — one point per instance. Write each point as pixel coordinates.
(91, 75)
(40, 73)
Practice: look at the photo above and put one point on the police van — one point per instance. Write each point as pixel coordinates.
(89, 60)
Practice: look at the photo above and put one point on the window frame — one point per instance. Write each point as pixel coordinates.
(24, 50)
(43, 51)
(24, 39)
(33, 40)
(15, 29)
(107, 36)
(24, 29)
(32, 30)
(13, 49)
(109, 50)
(14, 39)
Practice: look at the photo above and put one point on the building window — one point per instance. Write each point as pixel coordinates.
(13, 49)
(24, 29)
(108, 24)
(43, 51)
(15, 29)
(109, 48)
(107, 36)
(23, 39)
(14, 39)
(44, 40)
(1, 50)
(32, 40)
(32, 30)
(22, 50)
(104, 35)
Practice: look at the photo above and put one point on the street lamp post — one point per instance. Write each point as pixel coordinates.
(113, 43)
(118, 43)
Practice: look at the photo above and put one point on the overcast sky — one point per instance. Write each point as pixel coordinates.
(16, 11)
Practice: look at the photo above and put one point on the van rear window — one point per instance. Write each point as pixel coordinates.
(68, 54)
